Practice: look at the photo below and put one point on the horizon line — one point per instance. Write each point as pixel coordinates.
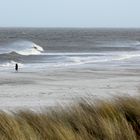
(98, 27)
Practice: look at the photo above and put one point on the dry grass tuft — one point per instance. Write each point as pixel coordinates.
(118, 120)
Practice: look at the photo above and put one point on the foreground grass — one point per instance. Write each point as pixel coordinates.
(118, 120)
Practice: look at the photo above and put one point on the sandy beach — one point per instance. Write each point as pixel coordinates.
(27, 89)
(59, 66)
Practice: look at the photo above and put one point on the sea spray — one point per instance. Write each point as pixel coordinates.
(22, 48)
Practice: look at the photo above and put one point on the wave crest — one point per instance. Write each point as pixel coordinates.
(22, 48)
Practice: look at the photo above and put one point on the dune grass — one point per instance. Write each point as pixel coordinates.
(105, 120)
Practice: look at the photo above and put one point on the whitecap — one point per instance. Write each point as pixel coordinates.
(22, 48)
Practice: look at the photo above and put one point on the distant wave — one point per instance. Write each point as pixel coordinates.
(22, 48)
(29, 54)
(71, 54)
(101, 58)
(137, 43)
(76, 59)
(128, 56)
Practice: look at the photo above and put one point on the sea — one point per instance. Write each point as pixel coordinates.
(36, 49)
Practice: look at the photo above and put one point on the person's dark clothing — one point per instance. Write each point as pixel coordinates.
(16, 67)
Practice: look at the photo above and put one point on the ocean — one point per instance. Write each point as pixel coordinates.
(50, 48)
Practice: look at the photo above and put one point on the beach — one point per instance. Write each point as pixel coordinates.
(32, 90)
(61, 66)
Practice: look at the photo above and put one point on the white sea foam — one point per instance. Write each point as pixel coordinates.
(60, 59)
(72, 59)
(137, 43)
(11, 64)
(104, 58)
(71, 54)
(22, 48)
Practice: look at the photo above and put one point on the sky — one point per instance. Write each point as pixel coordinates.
(70, 13)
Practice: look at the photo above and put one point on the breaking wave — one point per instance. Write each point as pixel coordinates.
(22, 48)
(27, 53)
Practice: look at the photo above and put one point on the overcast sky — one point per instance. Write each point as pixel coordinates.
(70, 13)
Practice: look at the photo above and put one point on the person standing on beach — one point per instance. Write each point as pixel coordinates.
(16, 67)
